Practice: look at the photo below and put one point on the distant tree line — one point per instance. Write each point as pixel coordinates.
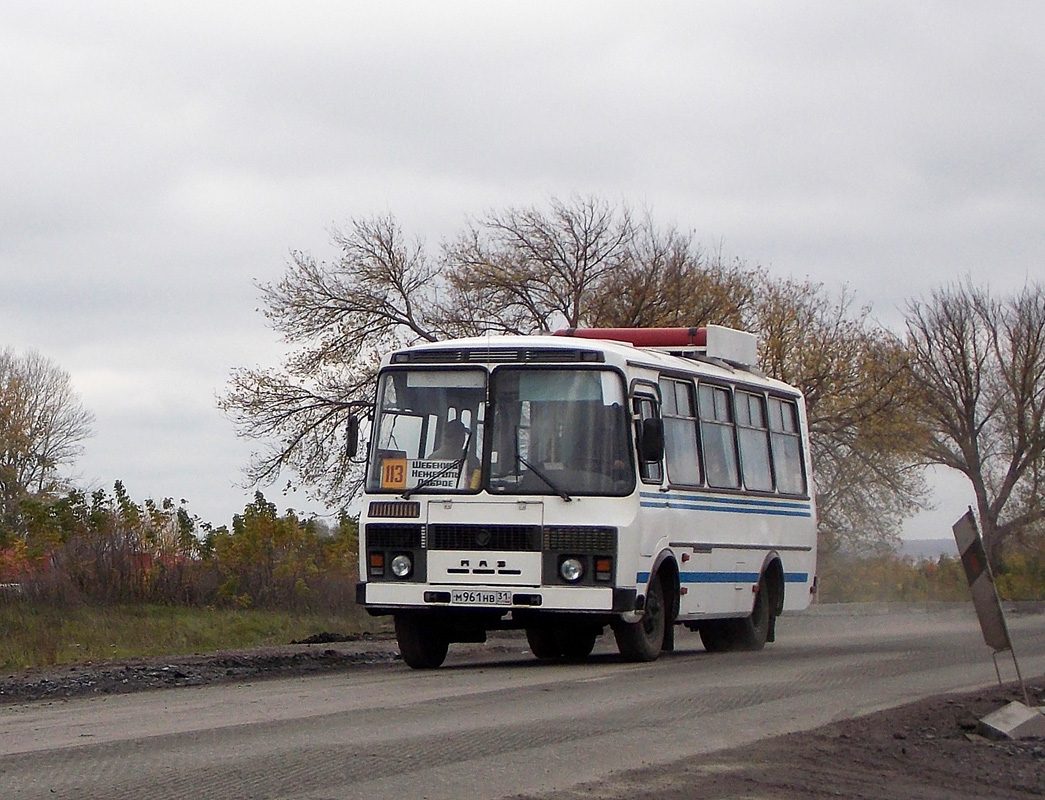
(891, 578)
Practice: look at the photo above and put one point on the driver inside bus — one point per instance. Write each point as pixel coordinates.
(452, 447)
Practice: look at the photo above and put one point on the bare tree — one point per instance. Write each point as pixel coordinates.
(338, 319)
(42, 429)
(523, 270)
(669, 281)
(580, 263)
(980, 366)
(583, 262)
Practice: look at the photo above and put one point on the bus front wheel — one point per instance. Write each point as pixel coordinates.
(571, 642)
(543, 643)
(422, 641)
(576, 642)
(643, 640)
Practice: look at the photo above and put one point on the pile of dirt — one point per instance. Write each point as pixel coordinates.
(122, 677)
(928, 750)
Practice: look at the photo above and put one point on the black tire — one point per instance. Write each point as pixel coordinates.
(643, 640)
(543, 643)
(749, 633)
(422, 641)
(717, 635)
(753, 631)
(576, 643)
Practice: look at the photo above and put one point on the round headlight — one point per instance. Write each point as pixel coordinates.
(571, 569)
(402, 566)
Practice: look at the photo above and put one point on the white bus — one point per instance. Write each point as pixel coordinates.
(629, 478)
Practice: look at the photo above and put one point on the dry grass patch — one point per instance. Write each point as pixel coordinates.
(40, 636)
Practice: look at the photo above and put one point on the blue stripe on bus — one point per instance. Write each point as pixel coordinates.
(642, 578)
(729, 505)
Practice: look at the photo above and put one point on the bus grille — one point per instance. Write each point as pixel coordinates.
(392, 535)
(580, 539)
(484, 537)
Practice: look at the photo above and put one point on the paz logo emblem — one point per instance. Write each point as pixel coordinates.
(482, 537)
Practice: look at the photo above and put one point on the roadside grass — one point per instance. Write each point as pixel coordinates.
(40, 636)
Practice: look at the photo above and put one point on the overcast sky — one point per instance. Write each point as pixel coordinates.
(157, 160)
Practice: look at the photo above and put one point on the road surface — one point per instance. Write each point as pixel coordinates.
(493, 722)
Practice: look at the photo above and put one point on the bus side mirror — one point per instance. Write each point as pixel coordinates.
(651, 440)
(352, 436)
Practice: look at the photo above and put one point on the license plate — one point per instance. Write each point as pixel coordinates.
(480, 597)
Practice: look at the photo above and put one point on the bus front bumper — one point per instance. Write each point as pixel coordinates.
(387, 598)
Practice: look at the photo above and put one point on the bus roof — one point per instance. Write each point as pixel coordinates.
(551, 349)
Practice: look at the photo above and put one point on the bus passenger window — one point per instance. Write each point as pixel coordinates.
(787, 446)
(680, 432)
(718, 436)
(753, 436)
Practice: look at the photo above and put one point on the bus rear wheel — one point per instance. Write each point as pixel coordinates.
(749, 633)
(422, 641)
(752, 632)
(643, 640)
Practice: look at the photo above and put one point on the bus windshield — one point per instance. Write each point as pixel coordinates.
(559, 431)
(429, 431)
(553, 431)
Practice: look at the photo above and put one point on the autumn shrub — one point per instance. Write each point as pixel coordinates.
(884, 578)
(1021, 575)
(104, 549)
(272, 560)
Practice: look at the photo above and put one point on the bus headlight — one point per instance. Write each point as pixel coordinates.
(402, 566)
(571, 569)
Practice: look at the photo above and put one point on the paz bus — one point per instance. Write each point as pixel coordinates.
(635, 479)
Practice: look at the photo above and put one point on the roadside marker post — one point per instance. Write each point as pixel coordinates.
(1016, 719)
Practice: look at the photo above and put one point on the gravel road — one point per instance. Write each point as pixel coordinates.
(928, 749)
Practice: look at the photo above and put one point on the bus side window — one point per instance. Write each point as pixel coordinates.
(680, 432)
(717, 432)
(753, 436)
(786, 446)
(646, 408)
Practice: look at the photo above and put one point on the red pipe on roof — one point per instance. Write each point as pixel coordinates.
(643, 337)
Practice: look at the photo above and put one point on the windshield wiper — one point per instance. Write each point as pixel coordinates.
(544, 478)
(433, 478)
